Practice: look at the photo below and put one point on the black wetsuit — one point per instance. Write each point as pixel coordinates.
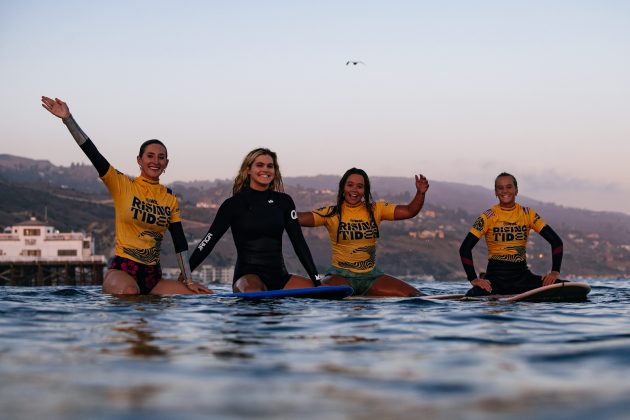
(258, 220)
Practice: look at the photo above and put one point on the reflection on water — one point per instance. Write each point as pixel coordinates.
(139, 337)
(71, 352)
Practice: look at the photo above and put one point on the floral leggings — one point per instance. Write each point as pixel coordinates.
(146, 276)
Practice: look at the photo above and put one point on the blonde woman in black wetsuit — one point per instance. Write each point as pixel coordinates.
(145, 209)
(258, 213)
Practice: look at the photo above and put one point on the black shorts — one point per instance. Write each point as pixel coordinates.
(508, 279)
(273, 278)
(146, 276)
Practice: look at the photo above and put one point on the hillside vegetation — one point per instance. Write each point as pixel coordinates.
(73, 199)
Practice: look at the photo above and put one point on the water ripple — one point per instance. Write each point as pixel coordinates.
(72, 352)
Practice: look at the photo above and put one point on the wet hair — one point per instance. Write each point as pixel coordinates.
(506, 174)
(242, 178)
(367, 197)
(144, 145)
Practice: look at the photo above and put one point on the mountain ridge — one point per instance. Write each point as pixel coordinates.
(596, 243)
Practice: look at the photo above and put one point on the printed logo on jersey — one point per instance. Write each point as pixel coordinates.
(294, 215)
(148, 255)
(362, 265)
(204, 242)
(516, 258)
(150, 212)
(510, 232)
(270, 201)
(323, 211)
(357, 229)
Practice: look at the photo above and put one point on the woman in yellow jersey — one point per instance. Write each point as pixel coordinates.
(353, 229)
(145, 209)
(506, 229)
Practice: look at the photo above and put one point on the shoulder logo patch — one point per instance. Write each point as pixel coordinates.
(479, 223)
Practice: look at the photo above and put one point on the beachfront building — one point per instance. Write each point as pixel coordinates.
(34, 250)
(205, 274)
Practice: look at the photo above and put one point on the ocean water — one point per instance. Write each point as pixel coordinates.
(70, 352)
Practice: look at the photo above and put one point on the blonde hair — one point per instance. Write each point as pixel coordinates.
(242, 178)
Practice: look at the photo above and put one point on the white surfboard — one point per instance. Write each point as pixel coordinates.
(558, 292)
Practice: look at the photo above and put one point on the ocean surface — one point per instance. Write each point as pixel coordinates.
(70, 352)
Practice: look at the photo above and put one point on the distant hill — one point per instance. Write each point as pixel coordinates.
(24, 171)
(67, 212)
(596, 243)
(470, 199)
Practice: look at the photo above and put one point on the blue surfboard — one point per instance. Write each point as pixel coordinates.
(321, 292)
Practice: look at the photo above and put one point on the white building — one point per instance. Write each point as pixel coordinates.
(210, 274)
(204, 274)
(36, 241)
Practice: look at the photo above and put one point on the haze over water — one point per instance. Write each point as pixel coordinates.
(71, 352)
(457, 90)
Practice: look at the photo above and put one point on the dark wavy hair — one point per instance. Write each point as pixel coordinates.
(368, 200)
(144, 145)
(506, 174)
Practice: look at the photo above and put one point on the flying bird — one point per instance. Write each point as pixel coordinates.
(354, 63)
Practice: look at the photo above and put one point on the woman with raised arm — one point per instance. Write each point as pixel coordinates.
(353, 227)
(145, 209)
(258, 213)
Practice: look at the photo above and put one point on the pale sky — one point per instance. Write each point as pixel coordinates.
(456, 90)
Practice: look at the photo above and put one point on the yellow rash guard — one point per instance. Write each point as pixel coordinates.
(506, 231)
(356, 249)
(144, 211)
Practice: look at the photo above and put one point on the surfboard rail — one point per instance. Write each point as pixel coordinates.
(558, 292)
(321, 292)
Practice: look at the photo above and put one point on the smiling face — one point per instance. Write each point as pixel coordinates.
(506, 191)
(354, 189)
(153, 161)
(261, 173)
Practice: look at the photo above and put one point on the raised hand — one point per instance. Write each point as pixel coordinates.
(422, 184)
(56, 106)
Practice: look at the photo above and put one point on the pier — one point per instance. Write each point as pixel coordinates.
(51, 272)
(35, 253)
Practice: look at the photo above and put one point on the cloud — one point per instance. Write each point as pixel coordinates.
(552, 180)
(552, 186)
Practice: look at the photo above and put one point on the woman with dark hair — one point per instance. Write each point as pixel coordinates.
(258, 213)
(145, 209)
(506, 228)
(353, 227)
